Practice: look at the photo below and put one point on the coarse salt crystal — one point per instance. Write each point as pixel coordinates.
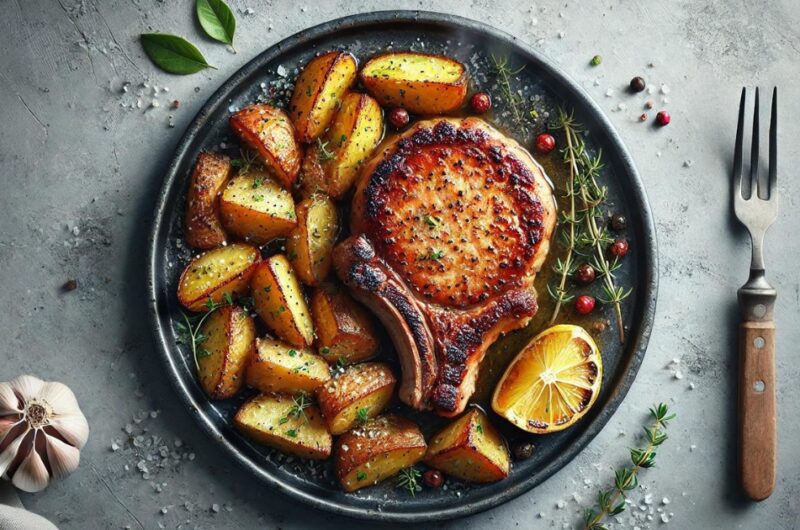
(561, 505)
(609, 92)
(665, 89)
(665, 501)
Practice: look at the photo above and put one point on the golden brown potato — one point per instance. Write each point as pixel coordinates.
(217, 273)
(310, 245)
(419, 82)
(345, 330)
(280, 302)
(356, 130)
(268, 131)
(278, 367)
(203, 227)
(318, 91)
(359, 393)
(377, 450)
(222, 357)
(287, 424)
(470, 449)
(256, 208)
(311, 179)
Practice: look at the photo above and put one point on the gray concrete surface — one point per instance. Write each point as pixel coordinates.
(80, 173)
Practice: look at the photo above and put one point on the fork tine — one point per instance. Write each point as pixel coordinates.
(737, 153)
(773, 146)
(754, 152)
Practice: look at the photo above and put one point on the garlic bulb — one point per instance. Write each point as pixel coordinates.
(42, 430)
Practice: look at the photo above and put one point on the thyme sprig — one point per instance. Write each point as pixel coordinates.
(300, 402)
(580, 231)
(324, 154)
(247, 159)
(408, 479)
(611, 502)
(189, 330)
(504, 75)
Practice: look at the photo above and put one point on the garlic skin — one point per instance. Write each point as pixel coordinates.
(42, 431)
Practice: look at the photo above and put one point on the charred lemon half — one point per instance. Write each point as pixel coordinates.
(552, 382)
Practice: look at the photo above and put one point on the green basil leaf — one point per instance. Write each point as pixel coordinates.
(173, 54)
(217, 20)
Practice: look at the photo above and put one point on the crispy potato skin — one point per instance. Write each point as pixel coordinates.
(318, 91)
(268, 131)
(356, 130)
(438, 84)
(278, 367)
(280, 302)
(256, 208)
(203, 227)
(367, 386)
(268, 419)
(310, 244)
(470, 449)
(312, 179)
(345, 330)
(377, 450)
(230, 342)
(216, 273)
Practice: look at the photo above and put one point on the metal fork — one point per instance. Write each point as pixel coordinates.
(755, 201)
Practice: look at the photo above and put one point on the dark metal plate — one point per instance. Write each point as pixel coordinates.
(547, 87)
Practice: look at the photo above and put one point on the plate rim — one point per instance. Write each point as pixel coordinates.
(647, 285)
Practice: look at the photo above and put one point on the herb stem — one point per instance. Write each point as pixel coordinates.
(612, 502)
(583, 183)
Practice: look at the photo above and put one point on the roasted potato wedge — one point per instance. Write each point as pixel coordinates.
(345, 330)
(217, 273)
(268, 131)
(310, 245)
(360, 392)
(203, 227)
(280, 302)
(377, 450)
(224, 354)
(470, 449)
(419, 82)
(318, 91)
(278, 367)
(356, 130)
(256, 208)
(312, 178)
(277, 421)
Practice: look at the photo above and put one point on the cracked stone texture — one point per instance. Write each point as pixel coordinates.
(80, 174)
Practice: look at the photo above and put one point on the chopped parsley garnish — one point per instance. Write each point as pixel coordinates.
(292, 353)
(437, 254)
(361, 475)
(292, 433)
(362, 414)
(431, 221)
(257, 182)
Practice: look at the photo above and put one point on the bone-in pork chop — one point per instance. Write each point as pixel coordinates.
(451, 221)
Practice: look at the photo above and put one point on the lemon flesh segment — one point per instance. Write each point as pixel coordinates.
(552, 382)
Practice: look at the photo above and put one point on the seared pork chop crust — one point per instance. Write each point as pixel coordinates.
(450, 223)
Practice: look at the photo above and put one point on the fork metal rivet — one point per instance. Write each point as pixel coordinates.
(759, 310)
(759, 386)
(759, 342)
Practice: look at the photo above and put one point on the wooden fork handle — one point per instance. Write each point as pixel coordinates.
(757, 409)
